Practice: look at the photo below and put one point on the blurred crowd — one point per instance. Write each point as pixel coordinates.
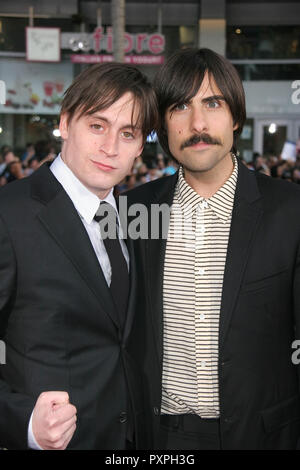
(277, 167)
(13, 167)
(146, 168)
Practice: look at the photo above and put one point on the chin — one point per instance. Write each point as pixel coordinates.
(198, 168)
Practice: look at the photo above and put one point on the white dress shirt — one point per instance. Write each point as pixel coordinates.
(86, 204)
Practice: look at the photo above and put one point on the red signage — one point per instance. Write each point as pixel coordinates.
(154, 43)
(129, 59)
(102, 42)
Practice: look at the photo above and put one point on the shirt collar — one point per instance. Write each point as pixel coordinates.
(85, 202)
(221, 202)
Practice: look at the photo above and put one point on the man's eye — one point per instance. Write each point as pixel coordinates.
(213, 104)
(96, 127)
(127, 135)
(180, 107)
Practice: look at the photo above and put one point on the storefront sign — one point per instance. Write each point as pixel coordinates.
(141, 43)
(43, 44)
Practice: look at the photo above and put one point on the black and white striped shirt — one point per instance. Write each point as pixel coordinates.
(192, 289)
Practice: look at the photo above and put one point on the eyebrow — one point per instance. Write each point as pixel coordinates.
(213, 98)
(103, 118)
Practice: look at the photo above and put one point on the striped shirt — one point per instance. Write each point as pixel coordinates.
(192, 289)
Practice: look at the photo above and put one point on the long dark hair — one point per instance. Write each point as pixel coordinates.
(180, 78)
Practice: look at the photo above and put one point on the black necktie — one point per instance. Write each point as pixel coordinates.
(107, 218)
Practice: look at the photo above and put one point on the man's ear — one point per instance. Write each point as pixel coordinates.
(140, 151)
(63, 126)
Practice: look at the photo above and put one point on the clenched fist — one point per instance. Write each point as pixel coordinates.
(53, 420)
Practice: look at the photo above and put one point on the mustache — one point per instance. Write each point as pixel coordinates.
(196, 138)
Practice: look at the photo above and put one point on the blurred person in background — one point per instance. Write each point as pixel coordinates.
(6, 175)
(143, 173)
(161, 164)
(260, 164)
(170, 167)
(284, 169)
(296, 175)
(130, 182)
(14, 171)
(153, 171)
(32, 165)
(141, 178)
(28, 154)
(3, 151)
(137, 164)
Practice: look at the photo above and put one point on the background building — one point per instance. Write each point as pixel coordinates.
(261, 38)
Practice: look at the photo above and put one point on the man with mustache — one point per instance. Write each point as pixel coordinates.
(222, 304)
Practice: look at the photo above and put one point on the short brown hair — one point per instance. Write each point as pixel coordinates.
(99, 86)
(180, 78)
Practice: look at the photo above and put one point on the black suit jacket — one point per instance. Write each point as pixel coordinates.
(259, 317)
(58, 320)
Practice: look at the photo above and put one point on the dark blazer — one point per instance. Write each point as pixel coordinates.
(58, 320)
(259, 317)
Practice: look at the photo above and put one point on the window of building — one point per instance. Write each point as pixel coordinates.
(263, 42)
(258, 71)
(12, 30)
(245, 141)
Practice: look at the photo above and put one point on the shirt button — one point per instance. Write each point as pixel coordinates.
(202, 316)
(156, 411)
(201, 228)
(201, 271)
(203, 364)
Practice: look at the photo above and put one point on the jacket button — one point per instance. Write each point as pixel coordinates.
(225, 363)
(156, 411)
(228, 420)
(123, 417)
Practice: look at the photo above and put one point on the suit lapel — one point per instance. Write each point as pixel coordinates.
(132, 296)
(246, 215)
(123, 219)
(61, 220)
(155, 250)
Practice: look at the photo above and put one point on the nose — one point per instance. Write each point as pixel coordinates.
(198, 121)
(109, 144)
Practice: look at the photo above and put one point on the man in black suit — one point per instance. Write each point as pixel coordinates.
(222, 280)
(66, 310)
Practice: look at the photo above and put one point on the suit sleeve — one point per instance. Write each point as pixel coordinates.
(296, 290)
(15, 408)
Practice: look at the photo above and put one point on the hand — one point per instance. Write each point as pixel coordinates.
(53, 420)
